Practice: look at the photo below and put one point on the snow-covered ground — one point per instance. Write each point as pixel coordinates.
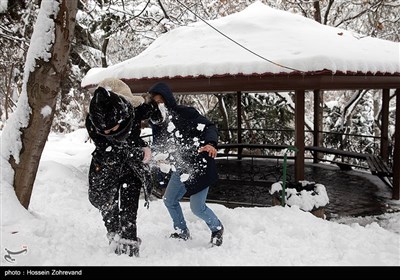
(64, 229)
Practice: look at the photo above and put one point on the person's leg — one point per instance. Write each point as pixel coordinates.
(173, 194)
(104, 195)
(129, 202)
(110, 213)
(200, 209)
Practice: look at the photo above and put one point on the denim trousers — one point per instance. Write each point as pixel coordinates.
(174, 193)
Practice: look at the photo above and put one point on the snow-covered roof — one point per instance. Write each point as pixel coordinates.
(282, 37)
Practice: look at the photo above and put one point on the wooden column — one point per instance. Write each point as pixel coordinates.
(396, 154)
(239, 121)
(385, 125)
(299, 137)
(317, 122)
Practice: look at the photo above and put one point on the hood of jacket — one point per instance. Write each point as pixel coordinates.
(164, 90)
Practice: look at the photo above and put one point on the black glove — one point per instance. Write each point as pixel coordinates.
(158, 115)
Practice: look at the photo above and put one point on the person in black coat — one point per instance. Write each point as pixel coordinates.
(185, 146)
(119, 167)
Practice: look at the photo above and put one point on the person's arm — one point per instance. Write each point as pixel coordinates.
(149, 110)
(210, 140)
(209, 135)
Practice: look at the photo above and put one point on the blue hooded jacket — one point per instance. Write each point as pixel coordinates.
(181, 136)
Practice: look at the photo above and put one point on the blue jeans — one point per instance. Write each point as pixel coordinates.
(174, 193)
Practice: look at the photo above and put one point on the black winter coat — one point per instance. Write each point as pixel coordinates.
(117, 173)
(185, 131)
(120, 158)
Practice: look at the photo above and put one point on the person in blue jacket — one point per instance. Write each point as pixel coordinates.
(187, 140)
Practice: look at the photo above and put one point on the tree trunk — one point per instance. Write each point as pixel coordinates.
(225, 118)
(8, 93)
(317, 11)
(104, 52)
(43, 85)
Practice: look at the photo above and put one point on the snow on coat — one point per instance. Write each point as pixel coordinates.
(180, 137)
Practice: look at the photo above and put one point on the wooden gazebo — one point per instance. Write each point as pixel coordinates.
(269, 76)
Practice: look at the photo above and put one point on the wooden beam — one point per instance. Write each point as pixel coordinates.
(385, 125)
(299, 134)
(266, 82)
(396, 154)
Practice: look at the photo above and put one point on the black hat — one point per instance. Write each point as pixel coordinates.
(107, 109)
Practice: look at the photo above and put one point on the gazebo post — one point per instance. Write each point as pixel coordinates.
(239, 121)
(396, 154)
(299, 131)
(317, 122)
(385, 125)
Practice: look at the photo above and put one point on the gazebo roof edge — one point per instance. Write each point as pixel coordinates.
(324, 80)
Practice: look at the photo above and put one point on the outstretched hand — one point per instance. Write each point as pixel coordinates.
(212, 152)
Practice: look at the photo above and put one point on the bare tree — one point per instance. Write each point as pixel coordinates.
(42, 87)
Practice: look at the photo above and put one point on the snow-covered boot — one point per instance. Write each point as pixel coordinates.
(216, 236)
(184, 235)
(112, 240)
(128, 247)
